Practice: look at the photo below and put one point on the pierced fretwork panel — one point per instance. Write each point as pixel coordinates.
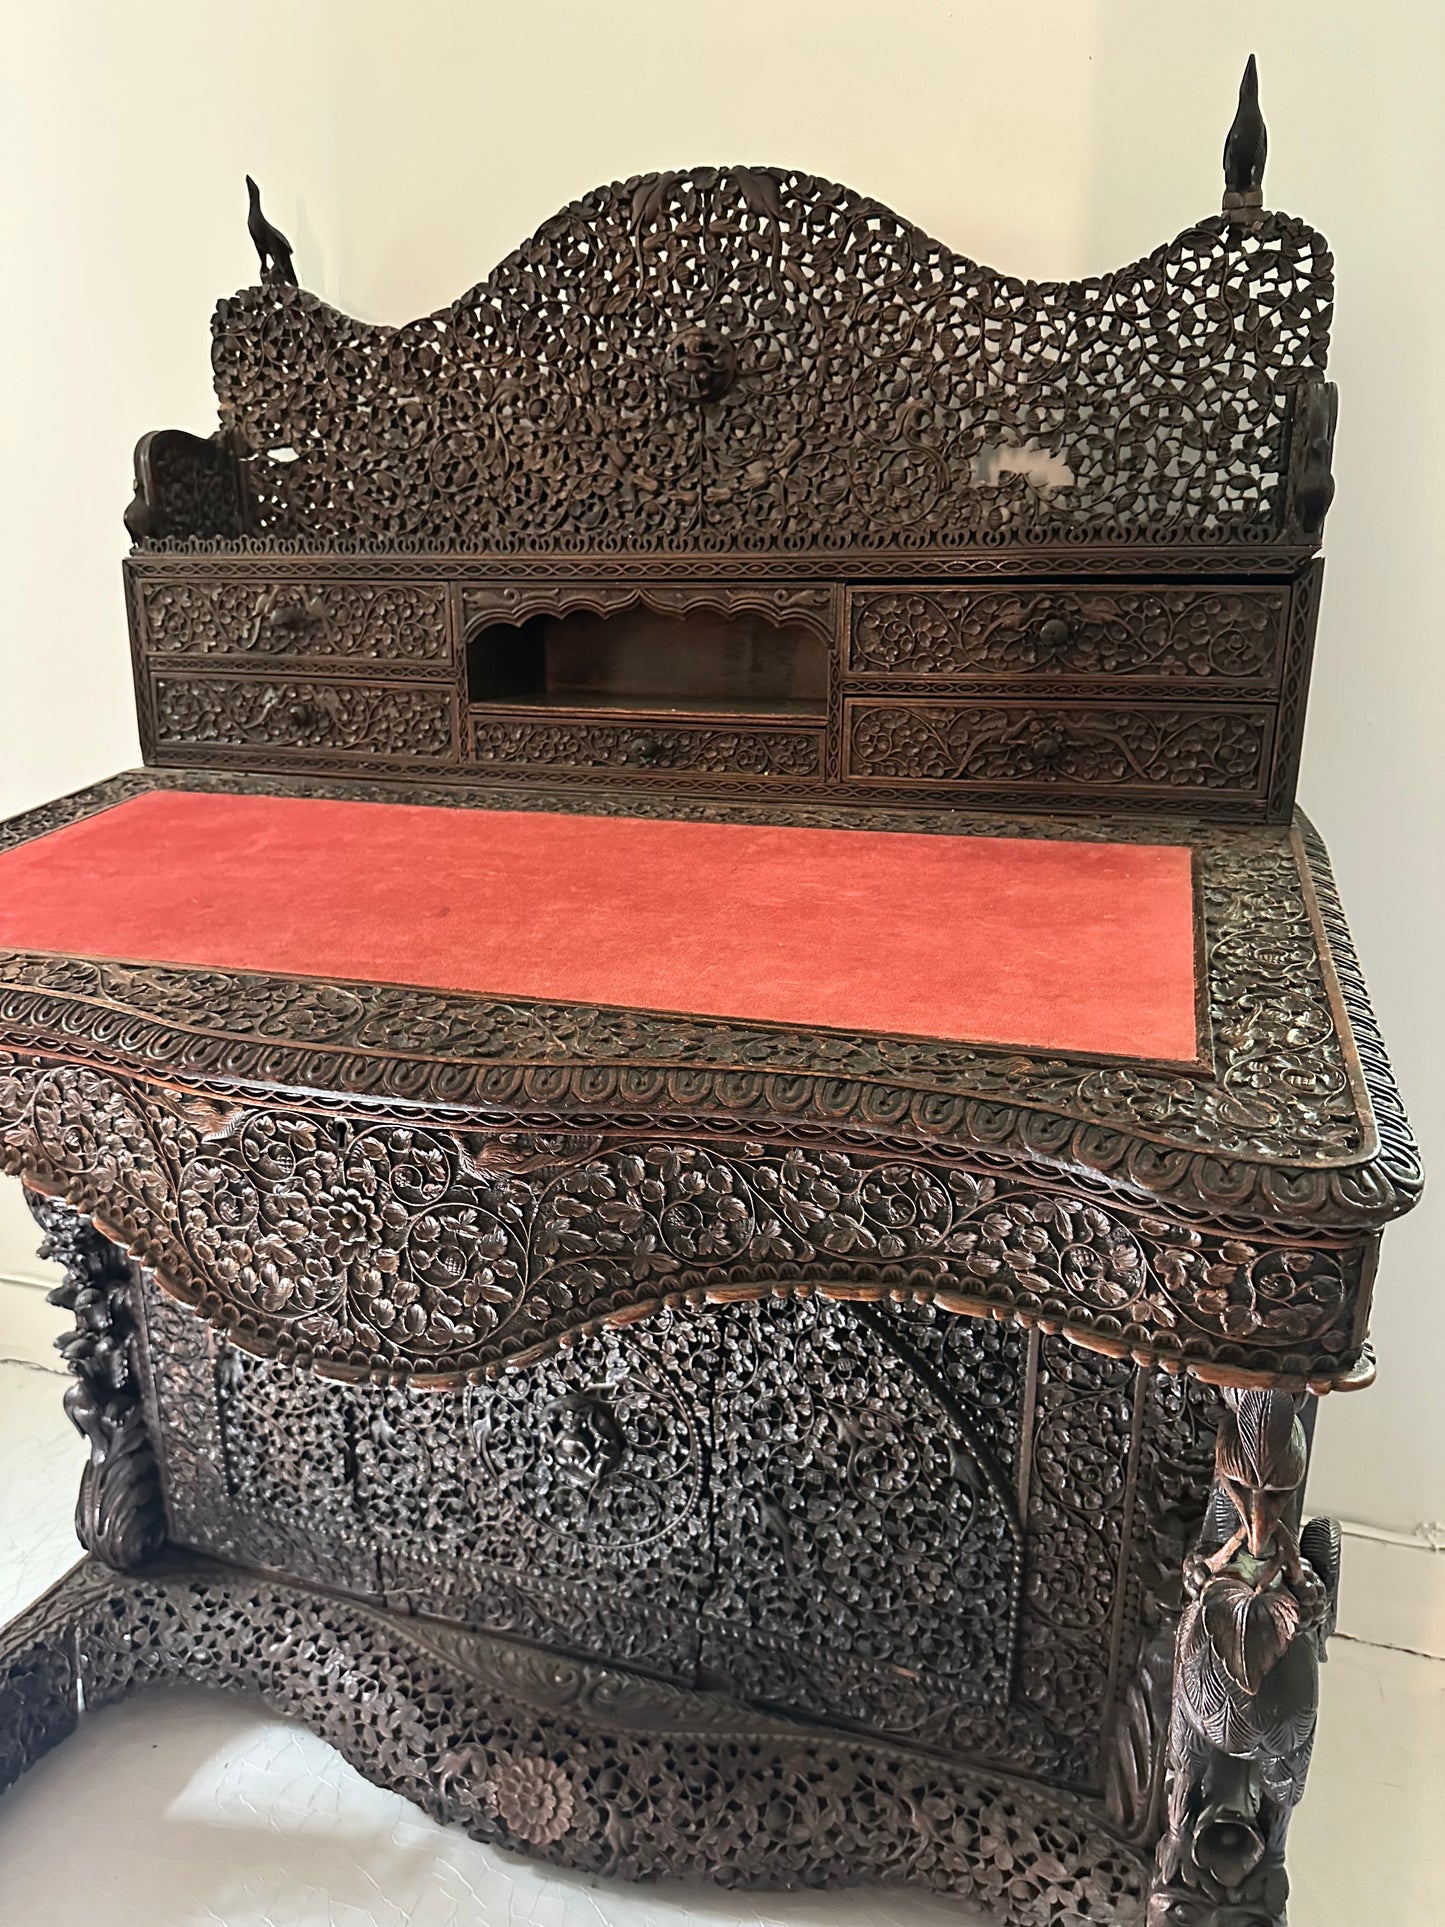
(893, 1518)
(754, 357)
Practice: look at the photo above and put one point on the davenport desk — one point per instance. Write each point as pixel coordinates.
(712, 1126)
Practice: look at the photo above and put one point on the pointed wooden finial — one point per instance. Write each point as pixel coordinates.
(1245, 148)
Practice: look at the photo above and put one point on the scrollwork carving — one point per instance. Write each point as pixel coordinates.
(401, 623)
(914, 744)
(375, 720)
(371, 1250)
(1206, 634)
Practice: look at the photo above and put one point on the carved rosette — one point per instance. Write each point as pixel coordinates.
(1251, 1637)
(119, 1516)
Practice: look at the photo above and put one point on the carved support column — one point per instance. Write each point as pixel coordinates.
(119, 1516)
(1259, 1606)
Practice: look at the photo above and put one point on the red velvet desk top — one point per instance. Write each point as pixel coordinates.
(1049, 945)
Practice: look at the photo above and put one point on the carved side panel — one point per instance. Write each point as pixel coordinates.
(870, 1551)
(1078, 1497)
(1176, 1463)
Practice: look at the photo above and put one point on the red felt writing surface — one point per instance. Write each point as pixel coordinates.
(1044, 944)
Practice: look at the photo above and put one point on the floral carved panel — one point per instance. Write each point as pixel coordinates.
(755, 358)
(376, 720)
(381, 1249)
(1214, 635)
(645, 746)
(389, 622)
(914, 744)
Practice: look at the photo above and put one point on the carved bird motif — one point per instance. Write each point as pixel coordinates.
(1247, 142)
(1247, 1658)
(271, 244)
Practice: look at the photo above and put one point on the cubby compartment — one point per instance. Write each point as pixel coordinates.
(706, 662)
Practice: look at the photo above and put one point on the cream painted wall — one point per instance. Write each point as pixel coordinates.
(405, 149)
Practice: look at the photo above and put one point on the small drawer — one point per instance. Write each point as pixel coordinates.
(562, 745)
(341, 622)
(367, 721)
(1147, 747)
(1197, 634)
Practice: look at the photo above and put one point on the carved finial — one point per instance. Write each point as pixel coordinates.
(271, 244)
(1245, 147)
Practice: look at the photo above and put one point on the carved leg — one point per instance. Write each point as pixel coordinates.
(119, 1516)
(1259, 1606)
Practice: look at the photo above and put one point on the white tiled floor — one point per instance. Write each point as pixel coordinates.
(182, 1810)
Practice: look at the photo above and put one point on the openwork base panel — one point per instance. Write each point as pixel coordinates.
(585, 1766)
(924, 1526)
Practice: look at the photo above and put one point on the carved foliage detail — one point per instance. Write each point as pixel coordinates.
(1214, 634)
(915, 743)
(371, 719)
(386, 1248)
(646, 746)
(730, 357)
(119, 1516)
(390, 622)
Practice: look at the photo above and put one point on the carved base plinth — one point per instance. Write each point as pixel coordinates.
(579, 1764)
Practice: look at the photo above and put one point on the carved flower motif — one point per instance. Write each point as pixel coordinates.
(534, 1798)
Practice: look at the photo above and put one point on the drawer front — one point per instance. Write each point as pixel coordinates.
(401, 623)
(575, 745)
(365, 721)
(1167, 749)
(1195, 635)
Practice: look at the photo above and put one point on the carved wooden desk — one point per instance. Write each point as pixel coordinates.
(691, 1434)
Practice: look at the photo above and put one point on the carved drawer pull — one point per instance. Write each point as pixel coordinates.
(1054, 636)
(289, 619)
(305, 714)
